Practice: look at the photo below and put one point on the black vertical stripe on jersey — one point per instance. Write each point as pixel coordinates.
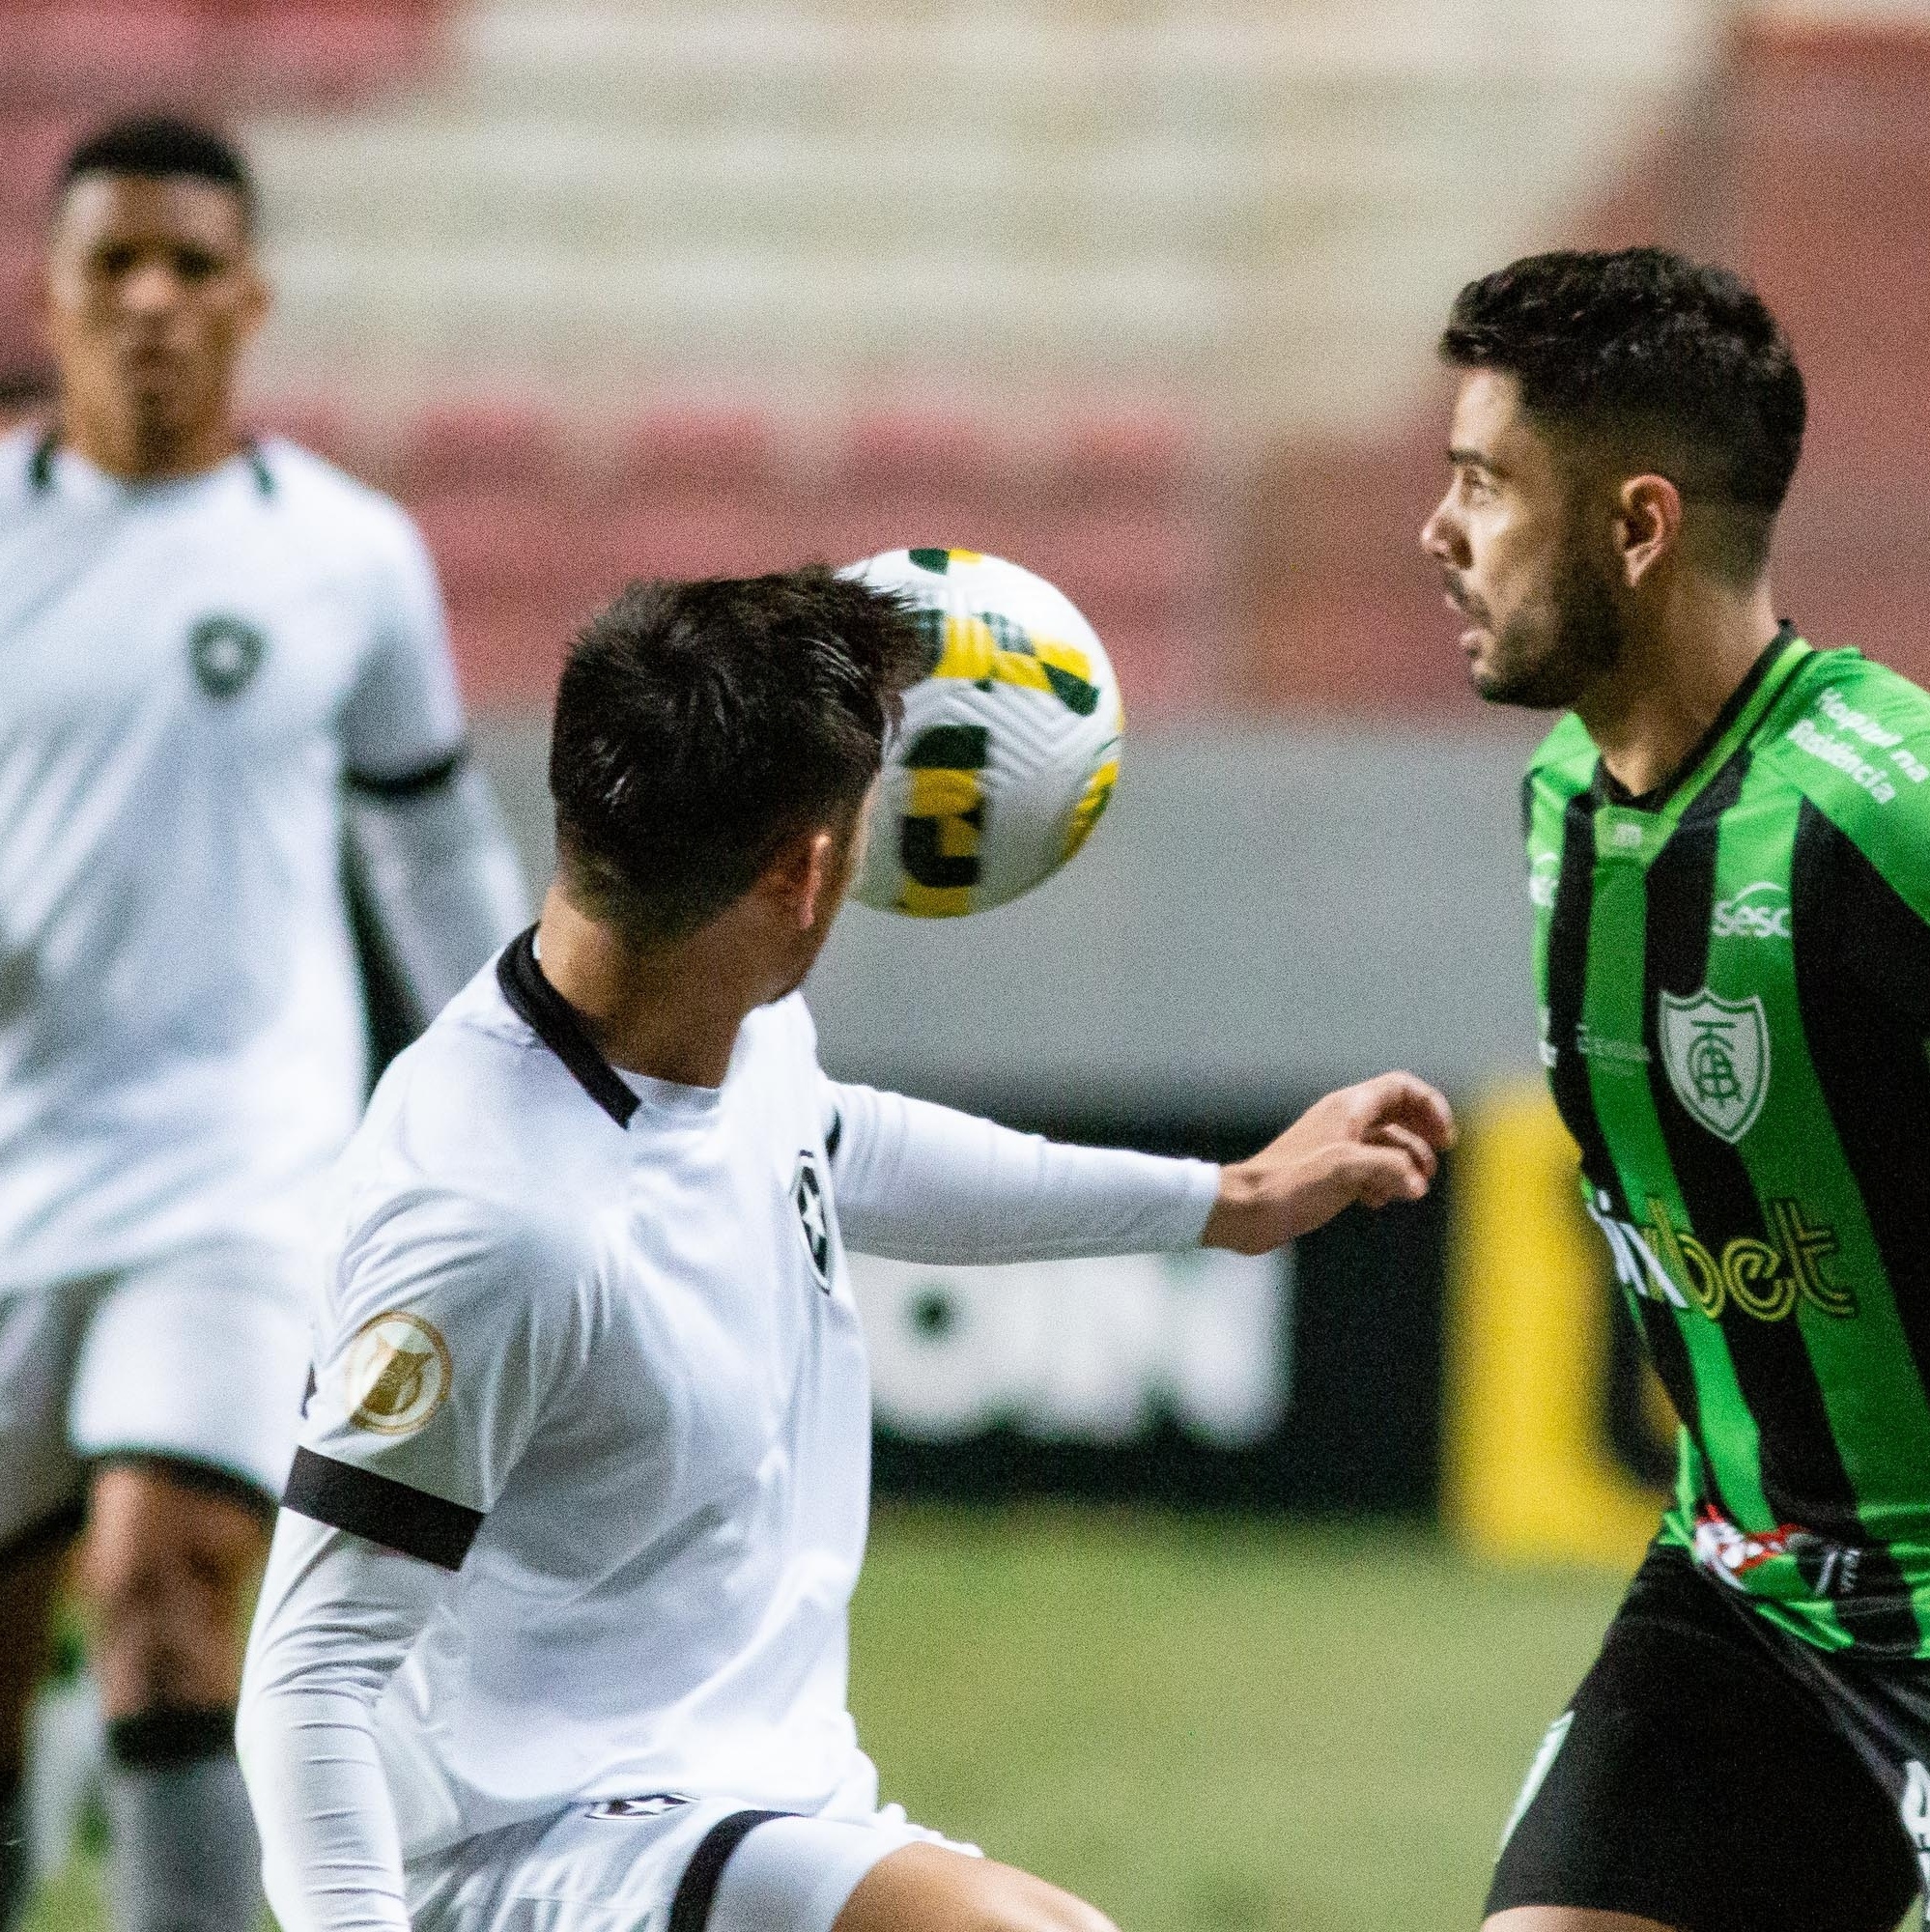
(1803, 1478)
(1568, 983)
(697, 1890)
(1862, 986)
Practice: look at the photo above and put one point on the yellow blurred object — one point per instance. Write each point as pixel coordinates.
(1528, 1469)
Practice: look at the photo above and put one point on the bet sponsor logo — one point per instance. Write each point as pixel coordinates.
(1764, 1279)
(1759, 911)
(1543, 876)
(397, 1374)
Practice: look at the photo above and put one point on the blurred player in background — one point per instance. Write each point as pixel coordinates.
(1729, 857)
(555, 1629)
(205, 641)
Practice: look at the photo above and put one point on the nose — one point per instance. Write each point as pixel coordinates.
(1441, 536)
(150, 288)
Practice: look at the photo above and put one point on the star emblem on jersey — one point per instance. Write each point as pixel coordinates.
(1717, 1055)
(225, 652)
(813, 1223)
(397, 1374)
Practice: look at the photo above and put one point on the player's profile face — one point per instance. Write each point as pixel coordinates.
(150, 292)
(1541, 621)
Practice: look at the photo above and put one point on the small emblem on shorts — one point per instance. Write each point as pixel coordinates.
(652, 1805)
(226, 653)
(807, 1198)
(397, 1374)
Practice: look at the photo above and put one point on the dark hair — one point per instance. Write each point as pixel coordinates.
(156, 146)
(1677, 363)
(700, 725)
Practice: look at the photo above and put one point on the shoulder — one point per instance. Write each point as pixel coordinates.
(1563, 765)
(347, 517)
(17, 456)
(1854, 737)
(478, 1146)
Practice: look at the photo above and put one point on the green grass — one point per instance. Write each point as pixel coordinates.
(1203, 1724)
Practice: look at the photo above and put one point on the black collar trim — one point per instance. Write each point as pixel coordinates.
(40, 465)
(555, 1022)
(1610, 791)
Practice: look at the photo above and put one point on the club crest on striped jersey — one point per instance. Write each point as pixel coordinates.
(1717, 1055)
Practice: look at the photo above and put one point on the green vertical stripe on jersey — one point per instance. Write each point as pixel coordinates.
(1708, 1052)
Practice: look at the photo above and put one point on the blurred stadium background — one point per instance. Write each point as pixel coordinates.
(1235, 1595)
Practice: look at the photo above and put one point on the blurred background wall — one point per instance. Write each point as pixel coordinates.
(1142, 295)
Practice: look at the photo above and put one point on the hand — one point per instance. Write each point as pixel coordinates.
(1375, 1142)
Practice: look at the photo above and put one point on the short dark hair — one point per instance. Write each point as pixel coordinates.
(1678, 363)
(157, 146)
(700, 725)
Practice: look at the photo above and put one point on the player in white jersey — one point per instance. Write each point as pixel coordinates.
(554, 1631)
(205, 639)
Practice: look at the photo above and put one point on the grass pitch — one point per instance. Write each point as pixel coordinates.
(1201, 1724)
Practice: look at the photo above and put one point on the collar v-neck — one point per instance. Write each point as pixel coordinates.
(1742, 711)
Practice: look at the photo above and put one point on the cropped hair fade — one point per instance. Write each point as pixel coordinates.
(1678, 363)
(156, 147)
(700, 725)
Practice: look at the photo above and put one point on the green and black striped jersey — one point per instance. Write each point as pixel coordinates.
(1734, 975)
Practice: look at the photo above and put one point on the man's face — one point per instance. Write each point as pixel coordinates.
(1519, 559)
(150, 293)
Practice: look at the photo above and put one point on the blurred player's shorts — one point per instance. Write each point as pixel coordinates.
(199, 1359)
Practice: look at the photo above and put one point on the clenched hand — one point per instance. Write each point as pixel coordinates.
(1371, 1143)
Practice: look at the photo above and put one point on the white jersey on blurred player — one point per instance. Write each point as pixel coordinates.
(556, 1607)
(193, 669)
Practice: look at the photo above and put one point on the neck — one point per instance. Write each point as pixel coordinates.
(673, 1012)
(135, 450)
(1673, 679)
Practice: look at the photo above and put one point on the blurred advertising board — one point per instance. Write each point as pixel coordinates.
(1308, 1381)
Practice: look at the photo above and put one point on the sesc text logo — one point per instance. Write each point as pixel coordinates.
(1760, 911)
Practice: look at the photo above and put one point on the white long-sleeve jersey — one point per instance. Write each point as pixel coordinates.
(192, 671)
(585, 1474)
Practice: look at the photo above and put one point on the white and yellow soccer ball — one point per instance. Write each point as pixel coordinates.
(1011, 744)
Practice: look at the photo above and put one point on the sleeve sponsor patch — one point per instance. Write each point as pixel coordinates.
(396, 1374)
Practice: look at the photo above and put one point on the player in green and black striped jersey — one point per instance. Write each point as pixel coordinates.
(1729, 859)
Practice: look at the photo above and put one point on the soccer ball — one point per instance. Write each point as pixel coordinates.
(1011, 744)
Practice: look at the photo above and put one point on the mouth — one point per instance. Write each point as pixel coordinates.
(1475, 634)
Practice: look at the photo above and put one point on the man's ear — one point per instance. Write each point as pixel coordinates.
(1648, 525)
(801, 872)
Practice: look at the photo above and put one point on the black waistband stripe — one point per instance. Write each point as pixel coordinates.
(696, 1889)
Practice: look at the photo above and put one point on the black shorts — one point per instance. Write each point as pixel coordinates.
(1718, 1775)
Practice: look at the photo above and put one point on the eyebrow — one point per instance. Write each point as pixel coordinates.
(1473, 458)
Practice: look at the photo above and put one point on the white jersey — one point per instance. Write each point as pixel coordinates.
(191, 669)
(587, 1357)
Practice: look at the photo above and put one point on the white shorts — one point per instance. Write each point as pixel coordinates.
(200, 1359)
(659, 1863)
